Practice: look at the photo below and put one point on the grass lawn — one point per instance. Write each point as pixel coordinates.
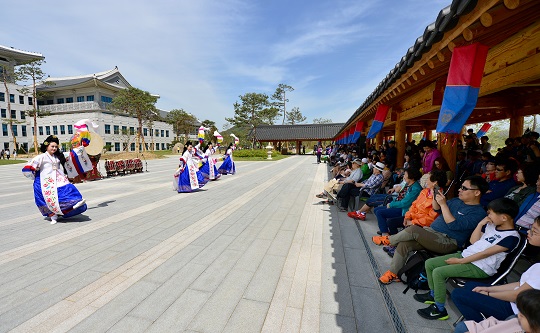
(255, 158)
(11, 161)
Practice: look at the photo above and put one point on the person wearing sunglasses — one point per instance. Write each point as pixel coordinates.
(458, 217)
(504, 181)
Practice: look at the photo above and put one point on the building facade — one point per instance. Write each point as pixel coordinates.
(68, 100)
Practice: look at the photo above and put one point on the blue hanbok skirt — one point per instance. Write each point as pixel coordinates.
(68, 196)
(227, 167)
(205, 170)
(184, 184)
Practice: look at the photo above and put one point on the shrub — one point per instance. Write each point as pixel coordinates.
(258, 153)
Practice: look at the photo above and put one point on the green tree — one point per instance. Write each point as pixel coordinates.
(322, 121)
(295, 116)
(255, 109)
(32, 71)
(10, 76)
(139, 104)
(183, 123)
(280, 99)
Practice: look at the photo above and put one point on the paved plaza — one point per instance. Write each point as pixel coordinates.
(251, 252)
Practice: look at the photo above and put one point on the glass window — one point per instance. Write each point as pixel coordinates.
(167, 133)
(163, 146)
(23, 115)
(23, 130)
(50, 101)
(40, 128)
(157, 133)
(21, 99)
(70, 129)
(107, 129)
(69, 99)
(106, 99)
(4, 113)
(132, 146)
(162, 133)
(124, 146)
(33, 130)
(13, 114)
(11, 98)
(116, 129)
(145, 131)
(157, 146)
(14, 129)
(108, 146)
(5, 130)
(80, 98)
(117, 146)
(62, 129)
(55, 130)
(48, 130)
(124, 130)
(2, 97)
(132, 130)
(90, 98)
(59, 101)
(30, 101)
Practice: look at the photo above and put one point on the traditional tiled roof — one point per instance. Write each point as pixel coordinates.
(19, 56)
(312, 132)
(446, 20)
(112, 78)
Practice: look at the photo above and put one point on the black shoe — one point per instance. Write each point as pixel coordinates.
(379, 232)
(424, 298)
(433, 312)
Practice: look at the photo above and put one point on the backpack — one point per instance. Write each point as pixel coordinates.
(415, 271)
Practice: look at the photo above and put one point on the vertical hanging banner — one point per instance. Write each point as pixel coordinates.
(483, 130)
(350, 134)
(424, 136)
(357, 130)
(462, 87)
(378, 122)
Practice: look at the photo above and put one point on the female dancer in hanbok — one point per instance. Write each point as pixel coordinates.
(228, 166)
(53, 193)
(209, 169)
(188, 177)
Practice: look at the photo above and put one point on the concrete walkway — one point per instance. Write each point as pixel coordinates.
(252, 252)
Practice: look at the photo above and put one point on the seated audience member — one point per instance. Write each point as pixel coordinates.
(377, 200)
(485, 157)
(421, 212)
(526, 177)
(492, 239)
(448, 233)
(430, 154)
(473, 167)
(529, 209)
(489, 174)
(364, 189)
(397, 207)
(476, 300)
(366, 170)
(441, 164)
(333, 184)
(504, 180)
(484, 146)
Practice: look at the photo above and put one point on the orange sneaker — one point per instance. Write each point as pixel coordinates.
(388, 278)
(352, 214)
(381, 240)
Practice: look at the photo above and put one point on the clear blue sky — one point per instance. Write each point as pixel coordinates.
(200, 55)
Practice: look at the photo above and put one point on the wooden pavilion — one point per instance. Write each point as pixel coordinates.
(510, 87)
(277, 134)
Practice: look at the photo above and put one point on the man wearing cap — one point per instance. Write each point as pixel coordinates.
(364, 189)
(333, 184)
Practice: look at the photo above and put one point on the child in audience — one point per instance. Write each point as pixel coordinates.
(491, 240)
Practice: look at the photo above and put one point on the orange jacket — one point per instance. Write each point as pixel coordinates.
(421, 212)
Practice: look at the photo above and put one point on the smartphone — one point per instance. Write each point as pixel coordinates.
(435, 190)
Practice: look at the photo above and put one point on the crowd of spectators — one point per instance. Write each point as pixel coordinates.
(496, 199)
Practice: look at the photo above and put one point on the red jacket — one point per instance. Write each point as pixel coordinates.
(421, 212)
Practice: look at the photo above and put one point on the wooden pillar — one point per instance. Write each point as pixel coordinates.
(429, 135)
(409, 137)
(400, 136)
(449, 152)
(298, 147)
(379, 140)
(516, 126)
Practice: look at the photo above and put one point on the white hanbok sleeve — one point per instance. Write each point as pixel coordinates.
(29, 170)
